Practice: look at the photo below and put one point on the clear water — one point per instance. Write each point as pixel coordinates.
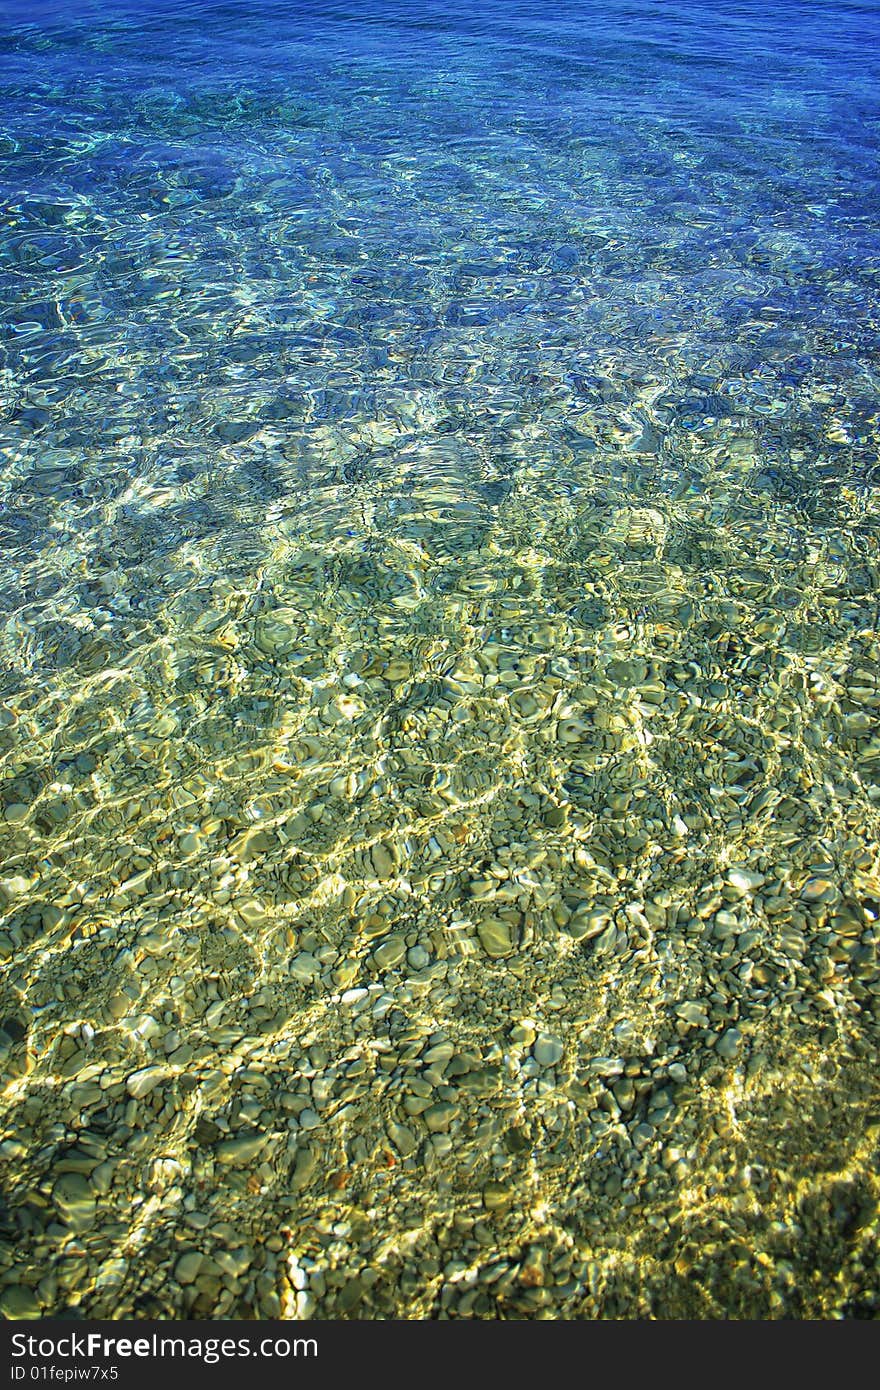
(381, 387)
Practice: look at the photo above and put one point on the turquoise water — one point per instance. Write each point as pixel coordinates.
(439, 639)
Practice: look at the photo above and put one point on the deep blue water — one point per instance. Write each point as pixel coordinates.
(216, 212)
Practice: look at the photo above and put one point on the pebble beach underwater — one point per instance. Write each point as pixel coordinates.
(439, 659)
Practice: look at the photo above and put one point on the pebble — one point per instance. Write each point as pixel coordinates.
(496, 937)
(497, 1196)
(624, 1093)
(607, 1066)
(16, 813)
(354, 997)
(188, 1267)
(584, 925)
(141, 1083)
(402, 1138)
(252, 912)
(726, 924)
(305, 967)
(305, 1164)
(439, 1117)
(390, 953)
(383, 861)
(237, 1152)
(693, 1012)
(235, 1262)
(350, 1294)
(482, 888)
(819, 890)
(642, 1134)
(398, 670)
(729, 1043)
(743, 882)
(547, 1050)
(17, 1301)
(278, 633)
(75, 1201)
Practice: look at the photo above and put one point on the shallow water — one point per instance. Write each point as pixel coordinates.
(439, 639)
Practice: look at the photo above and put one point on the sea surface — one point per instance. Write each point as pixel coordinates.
(439, 659)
